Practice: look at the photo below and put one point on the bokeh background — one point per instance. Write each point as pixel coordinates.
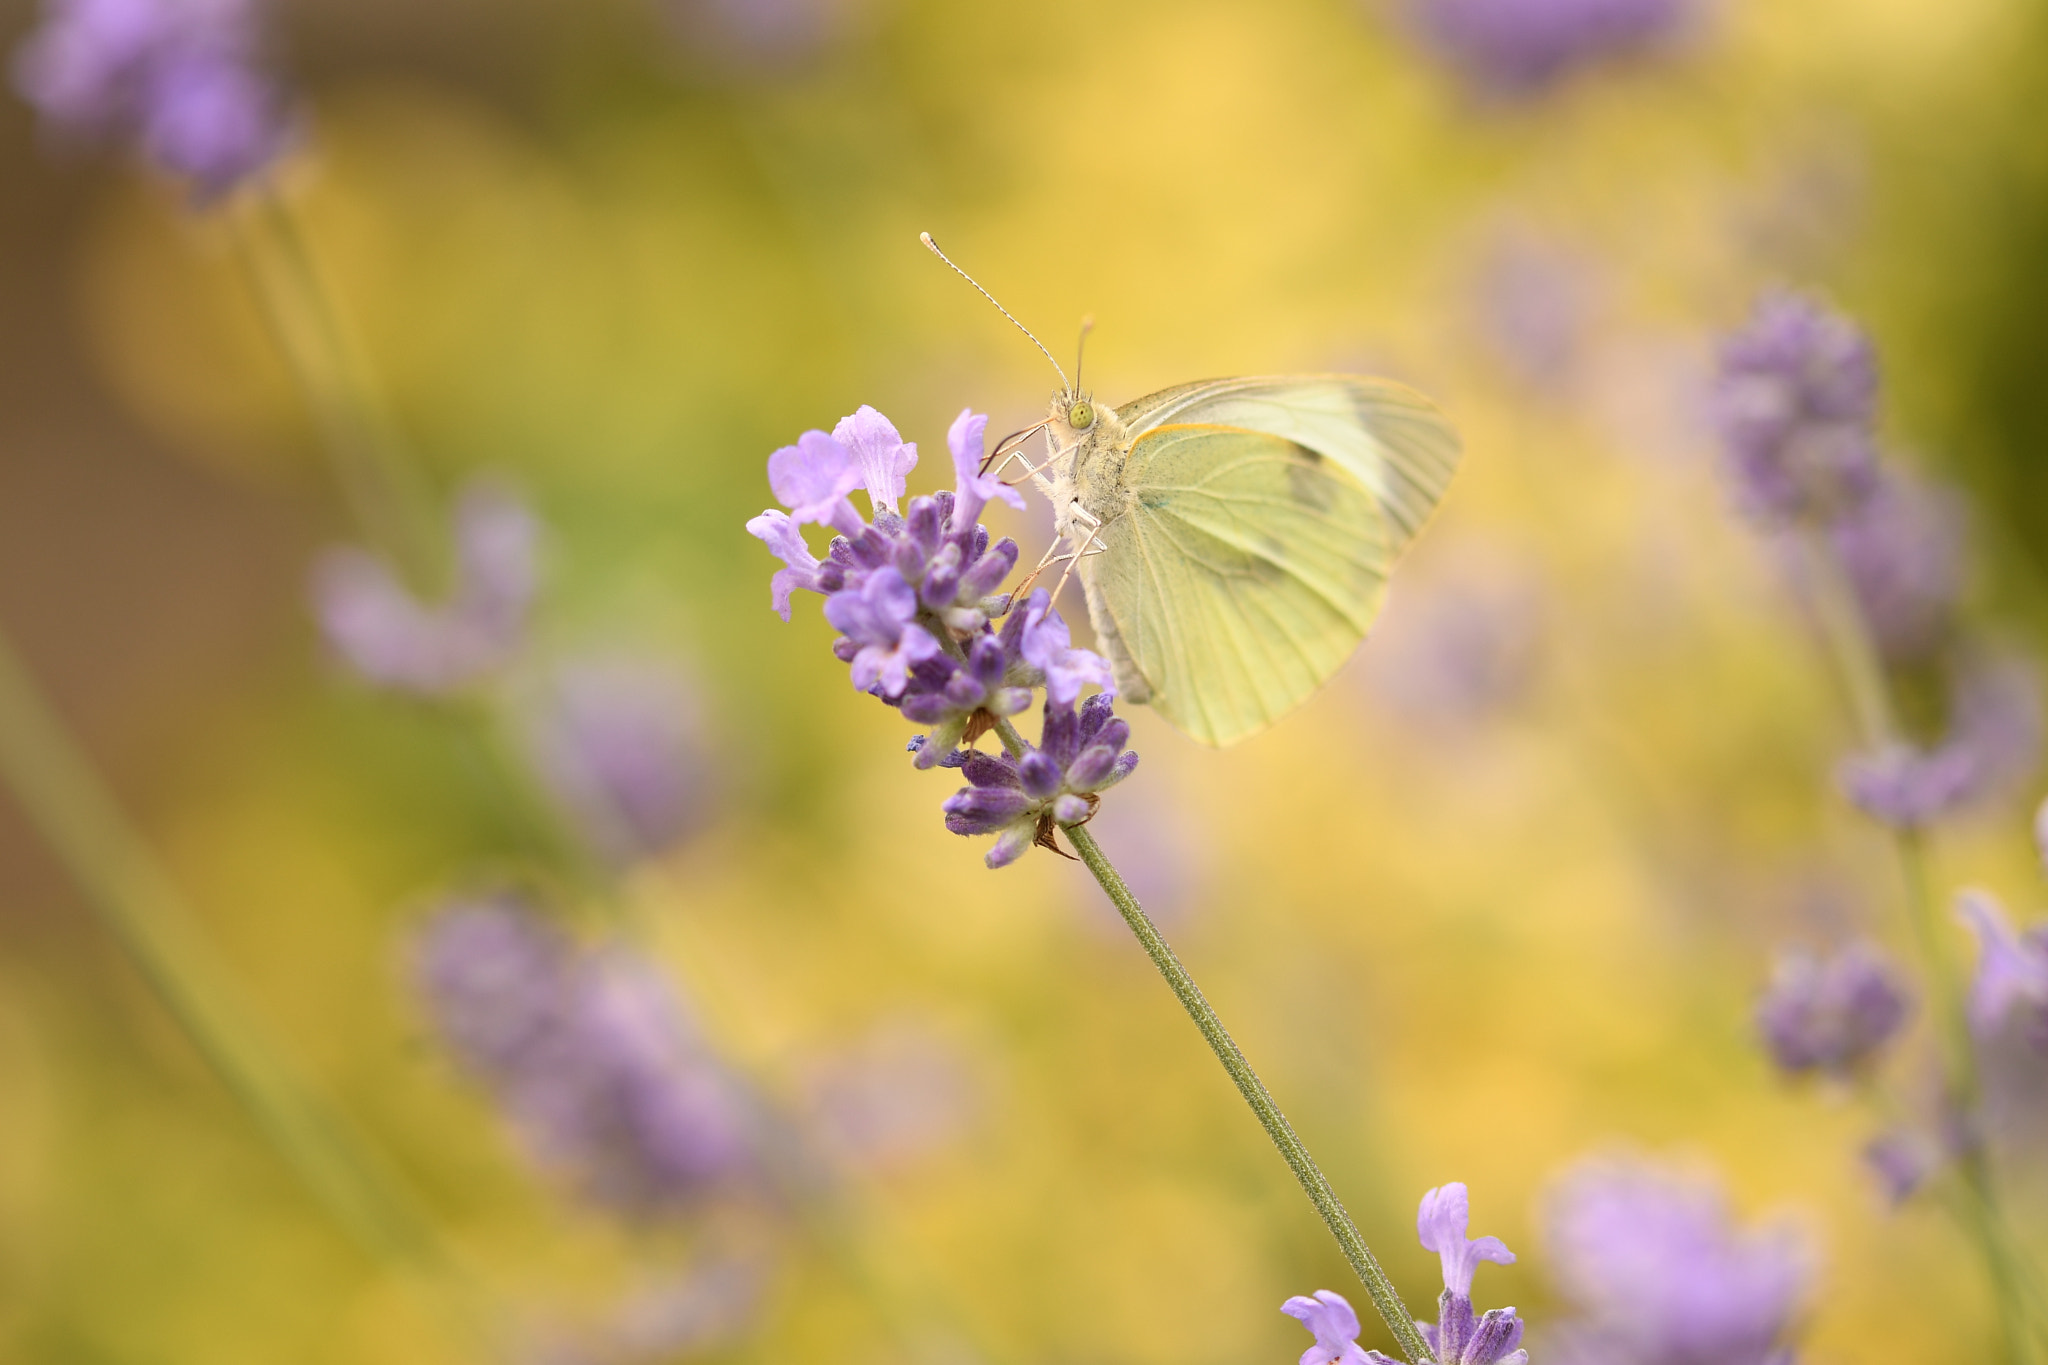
(1502, 895)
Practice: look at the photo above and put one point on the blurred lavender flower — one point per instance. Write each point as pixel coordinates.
(1795, 402)
(1902, 1160)
(1520, 48)
(1831, 1014)
(676, 1316)
(757, 35)
(590, 1056)
(1458, 1337)
(1020, 800)
(620, 745)
(394, 640)
(1994, 737)
(1902, 551)
(897, 1095)
(1662, 1278)
(2012, 970)
(177, 75)
(1534, 302)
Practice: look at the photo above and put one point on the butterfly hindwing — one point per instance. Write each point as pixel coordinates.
(1244, 573)
(1391, 439)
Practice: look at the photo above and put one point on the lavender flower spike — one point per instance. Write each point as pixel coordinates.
(1519, 48)
(590, 1056)
(1994, 736)
(392, 639)
(2012, 970)
(964, 439)
(1458, 1336)
(1831, 1014)
(176, 75)
(1335, 1325)
(1020, 800)
(1662, 1277)
(1795, 402)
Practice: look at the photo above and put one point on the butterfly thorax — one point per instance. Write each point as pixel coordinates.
(1089, 474)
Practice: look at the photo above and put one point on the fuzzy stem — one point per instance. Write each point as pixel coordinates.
(380, 484)
(136, 901)
(1313, 1182)
(1846, 636)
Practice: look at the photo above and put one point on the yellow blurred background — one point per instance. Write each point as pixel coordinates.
(1470, 939)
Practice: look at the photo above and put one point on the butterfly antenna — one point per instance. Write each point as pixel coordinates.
(933, 247)
(1081, 348)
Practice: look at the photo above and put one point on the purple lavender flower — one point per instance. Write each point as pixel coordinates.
(590, 1056)
(1662, 1278)
(1831, 1014)
(1994, 736)
(178, 75)
(915, 597)
(878, 619)
(1458, 1337)
(1020, 800)
(1795, 402)
(1334, 1324)
(1520, 48)
(1902, 1160)
(394, 640)
(2012, 970)
(620, 746)
(1902, 551)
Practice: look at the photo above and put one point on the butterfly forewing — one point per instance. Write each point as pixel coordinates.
(1247, 569)
(1389, 438)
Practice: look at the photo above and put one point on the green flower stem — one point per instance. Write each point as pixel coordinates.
(1867, 688)
(135, 899)
(382, 487)
(1313, 1183)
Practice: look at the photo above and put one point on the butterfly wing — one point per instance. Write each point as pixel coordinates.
(1244, 573)
(1390, 438)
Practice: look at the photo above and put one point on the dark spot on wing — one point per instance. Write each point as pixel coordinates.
(1307, 484)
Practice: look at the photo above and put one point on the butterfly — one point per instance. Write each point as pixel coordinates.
(1234, 537)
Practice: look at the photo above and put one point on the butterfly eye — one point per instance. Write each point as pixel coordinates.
(1081, 416)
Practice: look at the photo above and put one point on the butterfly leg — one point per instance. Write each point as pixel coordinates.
(1090, 524)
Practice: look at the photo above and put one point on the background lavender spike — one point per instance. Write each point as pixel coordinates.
(591, 1057)
(1831, 1014)
(1660, 1275)
(1516, 49)
(391, 638)
(177, 76)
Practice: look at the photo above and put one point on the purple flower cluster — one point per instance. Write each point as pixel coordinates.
(1796, 400)
(588, 1052)
(916, 597)
(2012, 971)
(1796, 403)
(1517, 49)
(1994, 736)
(177, 75)
(1831, 1014)
(621, 749)
(1902, 550)
(1458, 1336)
(1661, 1277)
(392, 639)
(1020, 799)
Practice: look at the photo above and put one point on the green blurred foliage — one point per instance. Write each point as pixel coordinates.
(1468, 947)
